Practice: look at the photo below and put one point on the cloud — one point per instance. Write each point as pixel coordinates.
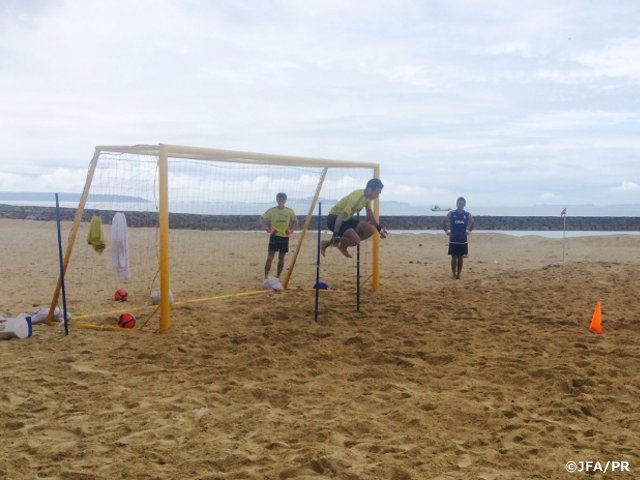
(510, 96)
(57, 180)
(620, 58)
(626, 186)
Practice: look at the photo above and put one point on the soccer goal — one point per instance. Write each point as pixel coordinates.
(179, 225)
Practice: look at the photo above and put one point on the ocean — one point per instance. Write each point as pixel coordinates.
(522, 211)
(537, 233)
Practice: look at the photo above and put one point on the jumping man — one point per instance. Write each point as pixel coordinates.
(347, 229)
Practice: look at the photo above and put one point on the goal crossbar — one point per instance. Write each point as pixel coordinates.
(201, 153)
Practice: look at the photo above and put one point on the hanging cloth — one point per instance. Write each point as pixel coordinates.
(120, 248)
(95, 238)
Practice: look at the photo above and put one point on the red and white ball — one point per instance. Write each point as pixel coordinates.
(126, 320)
(121, 295)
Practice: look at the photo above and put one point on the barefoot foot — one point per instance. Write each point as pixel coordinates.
(344, 251)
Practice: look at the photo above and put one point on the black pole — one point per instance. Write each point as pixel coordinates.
(358, 274)
(317, 284)
(64, 296)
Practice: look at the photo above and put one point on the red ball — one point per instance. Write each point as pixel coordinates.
(121, 295)
(126, 320)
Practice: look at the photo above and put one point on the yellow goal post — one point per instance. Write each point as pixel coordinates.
(162, 160)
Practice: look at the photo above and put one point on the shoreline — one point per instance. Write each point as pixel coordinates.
(409, 222)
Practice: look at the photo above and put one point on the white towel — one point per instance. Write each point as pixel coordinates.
(120, 247)
(40, 315)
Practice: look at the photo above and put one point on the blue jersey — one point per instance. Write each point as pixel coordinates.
(458, 224)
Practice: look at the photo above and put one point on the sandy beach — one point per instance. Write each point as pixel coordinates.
(493, 376)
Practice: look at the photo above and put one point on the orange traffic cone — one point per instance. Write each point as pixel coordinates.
(596, 321)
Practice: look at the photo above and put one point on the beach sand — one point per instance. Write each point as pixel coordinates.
(493, 376)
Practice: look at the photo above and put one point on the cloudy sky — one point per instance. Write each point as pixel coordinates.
(506, 102)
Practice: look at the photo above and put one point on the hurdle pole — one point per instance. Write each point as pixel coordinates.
(64, 295)
(358, 273)
(315, 311)
(564, 233)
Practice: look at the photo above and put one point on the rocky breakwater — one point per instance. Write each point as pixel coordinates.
(249, 222)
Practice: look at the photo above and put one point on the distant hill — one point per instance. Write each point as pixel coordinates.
(63, 197)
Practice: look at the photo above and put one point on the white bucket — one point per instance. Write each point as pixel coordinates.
(155, 296)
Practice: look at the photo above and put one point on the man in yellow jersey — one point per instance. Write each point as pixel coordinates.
(347, 229)
(279, 223)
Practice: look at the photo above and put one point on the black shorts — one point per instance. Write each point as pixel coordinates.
(458, 249)
(278, 244)
(346, 225)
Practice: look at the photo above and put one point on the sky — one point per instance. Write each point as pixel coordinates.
(507, 103)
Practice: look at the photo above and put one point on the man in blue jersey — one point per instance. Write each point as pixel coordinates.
(458, 224)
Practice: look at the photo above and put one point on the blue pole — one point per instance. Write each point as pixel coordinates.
(317, 284)
(64, 296)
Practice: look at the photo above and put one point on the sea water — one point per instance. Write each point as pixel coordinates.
(537, 233)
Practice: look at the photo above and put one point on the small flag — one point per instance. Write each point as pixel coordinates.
(563, 212)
